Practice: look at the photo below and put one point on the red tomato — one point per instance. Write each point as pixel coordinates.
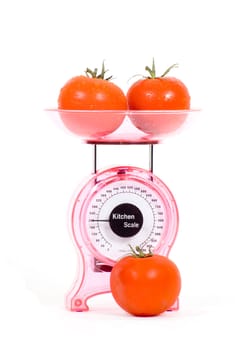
(91, 92)
(158, 93)
(145, 286)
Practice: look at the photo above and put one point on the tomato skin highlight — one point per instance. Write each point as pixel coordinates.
(145, 286)
(83, 93)
(166, 93)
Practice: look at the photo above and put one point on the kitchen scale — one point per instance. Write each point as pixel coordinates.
(119, 206)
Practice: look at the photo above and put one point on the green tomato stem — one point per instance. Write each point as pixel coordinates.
(139, 253)
(94, 73)
(175, 65)
(152, 70)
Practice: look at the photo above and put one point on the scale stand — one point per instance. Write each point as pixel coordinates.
(118, 207)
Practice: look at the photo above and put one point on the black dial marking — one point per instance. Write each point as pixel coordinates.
(126, 220)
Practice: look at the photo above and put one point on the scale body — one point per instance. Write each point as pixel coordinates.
(119, 206)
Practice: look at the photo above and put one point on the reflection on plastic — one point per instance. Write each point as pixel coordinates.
(89, 123)
(162, 123)
(123, 126)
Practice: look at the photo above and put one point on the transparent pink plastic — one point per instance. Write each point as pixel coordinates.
(123, 126)
(98, 246)
(96, 208)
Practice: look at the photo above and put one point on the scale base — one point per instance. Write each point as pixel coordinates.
(102, 214)
(95, 281)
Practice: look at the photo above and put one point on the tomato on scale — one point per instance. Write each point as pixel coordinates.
(158, 93)
(152, 92)
(90, 92)
(145, 284)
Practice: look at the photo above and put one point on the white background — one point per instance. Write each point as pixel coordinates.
(43, 44)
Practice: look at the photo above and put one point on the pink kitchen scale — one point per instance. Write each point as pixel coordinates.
(122, 205)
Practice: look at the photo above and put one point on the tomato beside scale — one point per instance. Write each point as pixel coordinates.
(145, 284)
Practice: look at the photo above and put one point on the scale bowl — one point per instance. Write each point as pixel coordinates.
(123, 126)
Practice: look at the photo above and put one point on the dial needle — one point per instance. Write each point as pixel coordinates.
(103, 220)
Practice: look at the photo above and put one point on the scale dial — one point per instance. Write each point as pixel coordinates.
(124, 206)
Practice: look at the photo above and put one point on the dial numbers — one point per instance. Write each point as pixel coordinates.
(122, 213)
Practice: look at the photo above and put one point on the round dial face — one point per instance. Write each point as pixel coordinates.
(124, 210)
